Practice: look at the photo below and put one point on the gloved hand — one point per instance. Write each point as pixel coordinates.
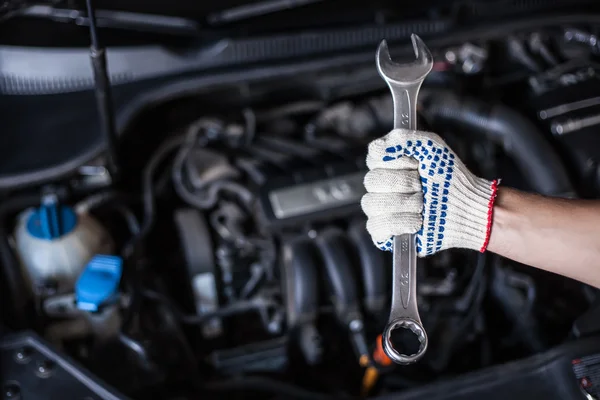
(416, 183)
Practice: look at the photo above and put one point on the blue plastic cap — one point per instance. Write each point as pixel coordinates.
(98, 283)
(51, 221)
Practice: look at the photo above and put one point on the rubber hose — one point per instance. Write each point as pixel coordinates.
(16, 287)
(337, 264)
(537, 160)
(374, 267)
(300, 273)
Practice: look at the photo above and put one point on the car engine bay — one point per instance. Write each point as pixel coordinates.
(229, 256)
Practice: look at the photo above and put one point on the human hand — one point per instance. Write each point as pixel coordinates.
(417, 184)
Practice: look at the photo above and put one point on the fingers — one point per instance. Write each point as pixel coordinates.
(391, 180)
(382, 227)
(394, 199)
(378, 204)
(400, 148)
(400, 161)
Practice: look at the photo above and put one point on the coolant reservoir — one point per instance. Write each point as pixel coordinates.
(54, 244)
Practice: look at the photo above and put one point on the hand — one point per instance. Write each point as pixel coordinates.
(417, 184)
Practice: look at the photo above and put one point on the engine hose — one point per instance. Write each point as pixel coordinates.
(300, 285)
(517, 306)
(207, 196)
(475, 294)
(140, 352)
(337, 264)
(114, 200)
(148, 182)
(374, 268)
(300, 273)
(16, 287)
(537, 160)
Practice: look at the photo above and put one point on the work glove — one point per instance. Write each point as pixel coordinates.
(417, 184)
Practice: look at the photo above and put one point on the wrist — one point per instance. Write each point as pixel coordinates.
(506, 218)
(490, 215)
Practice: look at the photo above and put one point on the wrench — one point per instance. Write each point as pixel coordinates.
(404, 81)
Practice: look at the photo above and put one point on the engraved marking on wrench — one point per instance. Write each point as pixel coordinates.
(404, 275)
(404, 120)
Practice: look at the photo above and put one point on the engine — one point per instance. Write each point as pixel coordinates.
(247, 256)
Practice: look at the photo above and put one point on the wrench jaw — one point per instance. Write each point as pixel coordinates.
(416, 328)
(404, 74)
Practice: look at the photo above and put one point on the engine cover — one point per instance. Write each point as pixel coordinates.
(287, 201)
(301, 182)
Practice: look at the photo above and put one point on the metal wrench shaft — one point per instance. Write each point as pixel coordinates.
(404, 81)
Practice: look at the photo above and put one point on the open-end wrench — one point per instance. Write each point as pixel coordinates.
(404, 81)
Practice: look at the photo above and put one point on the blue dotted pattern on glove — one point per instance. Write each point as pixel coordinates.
(432, 160)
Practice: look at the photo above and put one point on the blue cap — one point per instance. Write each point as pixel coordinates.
(51, 221)
(98, 283)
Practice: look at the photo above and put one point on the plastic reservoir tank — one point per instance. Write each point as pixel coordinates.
(54, 244)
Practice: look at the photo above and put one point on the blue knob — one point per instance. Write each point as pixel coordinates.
(51, 221)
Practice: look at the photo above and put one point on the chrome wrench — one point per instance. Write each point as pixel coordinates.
(404, 81)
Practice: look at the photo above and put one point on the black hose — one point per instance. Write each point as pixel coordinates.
(148, 184)
(373, 266)
(517, 307)
(261, 384)
(538, 162)
(206, 196)
(130, 219)
(141, 354)
(14, 281)
(115, 200)
(171, 324)
(474, 295)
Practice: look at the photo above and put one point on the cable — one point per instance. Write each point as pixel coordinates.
(134, 228)
(191, 319)
(130, 219)
(147, 182)
(171, 323)
(104, 199)
(267, 385)
(138, 349)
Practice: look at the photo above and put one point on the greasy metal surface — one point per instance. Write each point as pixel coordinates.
(404, 81)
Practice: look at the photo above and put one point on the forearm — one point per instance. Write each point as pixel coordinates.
(557, 235)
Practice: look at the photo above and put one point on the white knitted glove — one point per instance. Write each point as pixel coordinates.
(416, 183)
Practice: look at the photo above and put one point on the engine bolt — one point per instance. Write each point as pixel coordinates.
(12, 391)
(23, 355)
(450, 56)
(44, 368)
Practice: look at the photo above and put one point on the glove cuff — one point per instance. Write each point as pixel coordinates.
(490, 215)
(471, 213)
